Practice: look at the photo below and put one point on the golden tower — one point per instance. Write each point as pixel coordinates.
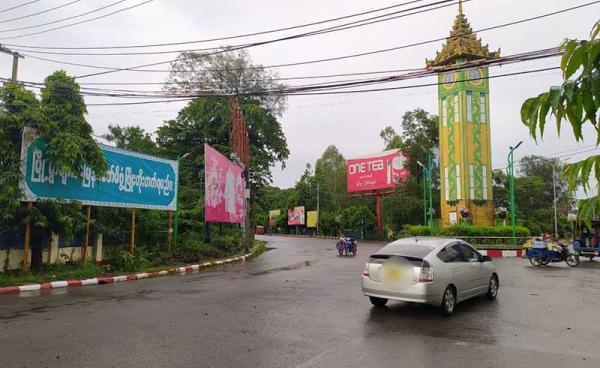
(464, 128)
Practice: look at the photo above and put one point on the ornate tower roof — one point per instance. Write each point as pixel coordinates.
(462, 44)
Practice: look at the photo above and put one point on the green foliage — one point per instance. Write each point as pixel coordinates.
(121, 260)
(133, 138)
(358, 219)
(416, 230)
(577, 101)
(51, 272)
(231, 71)
(483, 231)
(70, 141)
(198, 251)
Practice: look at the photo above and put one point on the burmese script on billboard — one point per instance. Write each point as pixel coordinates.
(296, 216)
(224, 191)
(379, 171)
(133, 180)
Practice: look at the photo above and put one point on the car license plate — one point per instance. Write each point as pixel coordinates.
(392, 273)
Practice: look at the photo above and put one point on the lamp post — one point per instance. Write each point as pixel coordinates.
(176, 230)
(424, 192)
(511, 184)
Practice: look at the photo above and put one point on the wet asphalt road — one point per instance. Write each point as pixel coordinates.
(300, 305)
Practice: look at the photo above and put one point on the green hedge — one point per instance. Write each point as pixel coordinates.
(468, 230)
(416, 230)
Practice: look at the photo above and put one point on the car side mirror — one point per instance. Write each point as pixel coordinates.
(487, 258)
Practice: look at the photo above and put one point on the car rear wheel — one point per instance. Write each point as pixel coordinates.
(493, 288)
(378, 302)
(449, 301)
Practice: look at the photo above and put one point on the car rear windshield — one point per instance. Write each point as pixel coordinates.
(406, 250)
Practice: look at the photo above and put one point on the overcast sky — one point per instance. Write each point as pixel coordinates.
(351, 122)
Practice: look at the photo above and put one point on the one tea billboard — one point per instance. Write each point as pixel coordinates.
(379, 171)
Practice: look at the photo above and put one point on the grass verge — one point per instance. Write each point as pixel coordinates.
(62, 272)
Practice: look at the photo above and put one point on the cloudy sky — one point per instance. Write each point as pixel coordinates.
(311, 123)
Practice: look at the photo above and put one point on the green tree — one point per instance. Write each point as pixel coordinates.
(534, 194)
(228, 72)
(59, 116)
(207, 120)
(133, 138)
(577, 100)
(330, 173)
(418, 138)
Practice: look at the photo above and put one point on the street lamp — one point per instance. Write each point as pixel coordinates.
(429, 172)
(511, 183)
(424, 192)
(176, 230)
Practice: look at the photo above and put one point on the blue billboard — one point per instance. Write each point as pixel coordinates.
(133, 180)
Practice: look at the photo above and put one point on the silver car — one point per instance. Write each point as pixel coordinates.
(440, 272)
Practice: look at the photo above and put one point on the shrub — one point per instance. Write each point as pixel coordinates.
(416, 230)
(121, 260)
(483, 231)
(221, 246)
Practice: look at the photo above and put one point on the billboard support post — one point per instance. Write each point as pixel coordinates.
(318, 202)
(379, 215)
(170, 235)
(207, 231)
(27, 238)
(86, 240)
(132, 240)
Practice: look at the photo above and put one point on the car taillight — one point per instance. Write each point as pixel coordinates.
(426, 273)
(366, 270)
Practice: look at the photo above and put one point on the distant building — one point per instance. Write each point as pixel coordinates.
(465, 152)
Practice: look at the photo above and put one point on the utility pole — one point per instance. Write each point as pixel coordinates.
(318, 203)
(511, 184)
(555, 202)
(424, 180)
(239, 142)
(430, 181)
(16, 56)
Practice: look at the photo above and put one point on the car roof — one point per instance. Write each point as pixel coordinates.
(414, 247)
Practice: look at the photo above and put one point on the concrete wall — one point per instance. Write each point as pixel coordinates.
(54, 254)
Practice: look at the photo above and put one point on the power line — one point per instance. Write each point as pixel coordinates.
(321, 93)
(424, 72)
(64, 19)
(551, 156)
(358, 54)
(223, 37)
(38, 13)
(18, 6)
(81, 22)
(112, 69)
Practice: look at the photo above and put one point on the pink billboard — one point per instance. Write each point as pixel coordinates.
(224, 188)
(296, 216)
(379, 171)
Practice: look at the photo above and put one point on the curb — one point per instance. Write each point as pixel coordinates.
(115, 279)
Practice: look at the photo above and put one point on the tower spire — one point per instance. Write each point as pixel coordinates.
(460, 11)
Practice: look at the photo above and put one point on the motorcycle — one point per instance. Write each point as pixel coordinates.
(347, 246)
(540, 254)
